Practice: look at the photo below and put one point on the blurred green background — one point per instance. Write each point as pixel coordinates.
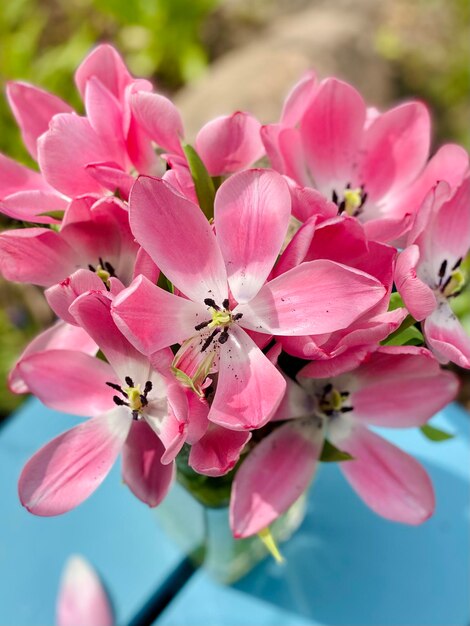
(173, 42)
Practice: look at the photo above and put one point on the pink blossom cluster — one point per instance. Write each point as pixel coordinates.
(257, 318)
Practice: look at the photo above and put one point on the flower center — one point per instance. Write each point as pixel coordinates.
(103, 270)
(132, 395)
(352, 202)
(331, 401)
(451, 284)
(222, 318)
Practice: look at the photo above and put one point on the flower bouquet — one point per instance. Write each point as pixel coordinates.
(233, 313)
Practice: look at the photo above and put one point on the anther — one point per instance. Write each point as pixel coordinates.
(209, 339)
(459, 261)
(91, 268)
(442, 269)
(109, 268)
(202, 325)
(148, 387)
(117, 388)
(238, 316)
(211, 302)
(224, 336)
(119, 401)
(334, 197)
(226, 303)
(327, 388)
(346, 409)
(129, 381)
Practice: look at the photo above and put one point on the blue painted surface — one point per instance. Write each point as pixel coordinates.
(113, 530)
(346, 566)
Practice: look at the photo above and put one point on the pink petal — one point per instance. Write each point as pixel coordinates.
(400, 388)
(142, 470)
(230, 143)
(450, 163)
(419, 299)
(450, 234)
(389, 481)
(329, 368)
(33, 109)
(308, 202)
(249, 387)
(33, 206)
(179, 239)
(153, 318)
(312, 298)
(60, 336)
(298, 99)
(105, 64)
(197, 417)
(111, 176)
(297, 249)
(218, 451)
(66, 149)
(105, 116)
(82, 598)
(69, 381)
(396, 147)
(67, 470)
(159, 118)
(16, 177)
(331, 129)
(274, 476)
(252, 211)
(145, 266)
(446, 337)
(62, 295)
(35, 255)
(92, 311)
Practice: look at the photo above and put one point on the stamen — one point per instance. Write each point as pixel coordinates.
(210, 302)
(148, 387)
(346, 409)
(334, 197)
(129, 381)
(238, 316)
(119, 401)
(459, 261)
(91, 268)
(109, 268)
(117, 388)
(442, 270)
(209, 339)
(143, 400)
(202, 325)
(327, 388)
(226, 303)
(224, 336)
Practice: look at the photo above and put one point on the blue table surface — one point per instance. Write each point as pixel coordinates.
(344, 566)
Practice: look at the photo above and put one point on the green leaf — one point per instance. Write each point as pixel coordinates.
(203, 183)
(435, 434)
(332, 454)
(406, 335)
(56, 215)
(396, 301)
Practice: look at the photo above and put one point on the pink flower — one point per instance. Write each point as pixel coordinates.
(82, 599)
(221, 278)
(395, 387)
(134, 407)
(372, 165)
(428, 271)
(342, 239)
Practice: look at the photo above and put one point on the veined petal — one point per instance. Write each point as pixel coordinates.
(66, 149)
(396, 147)
(33, 109)
(62, 295)
(418, 297)
(274, 475)
(92, 311)
(313, 298)
(298, 99)
(35, 255)
(446, 337)
(160, 119)
(389, 481)
(60, 336)
(67, 470)
(82, 598)
(111, 176)
(179, 239)
(230, 143)
(249, 387)
(105, 64)
(153, 318)
(331, 130)
(16, 177)
(69, 381)
(218, 451)
(252, 211)
(450, 232)
(142, 471)
(35, 205)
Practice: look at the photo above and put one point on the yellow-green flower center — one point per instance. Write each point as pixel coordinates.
(134, 397)
(455, 284)
(221, 317)
(352, 200)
